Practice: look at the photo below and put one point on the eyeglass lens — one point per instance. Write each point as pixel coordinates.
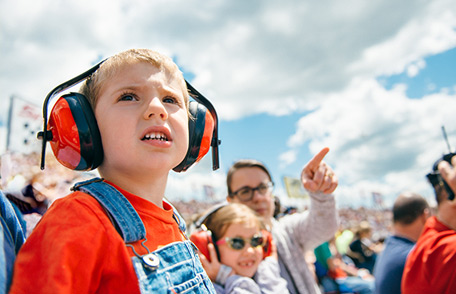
(238, 243)
(246, 194)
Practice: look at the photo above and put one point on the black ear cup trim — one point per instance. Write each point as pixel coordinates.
(215, 139)
(89, 134)
(45, 134)
(196, 126)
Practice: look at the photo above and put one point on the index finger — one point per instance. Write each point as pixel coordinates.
(316, 160)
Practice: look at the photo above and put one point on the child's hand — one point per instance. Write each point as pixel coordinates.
(317, 176)
(211, 267)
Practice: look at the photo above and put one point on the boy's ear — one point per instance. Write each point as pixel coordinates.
(76, 140)
(200, 129)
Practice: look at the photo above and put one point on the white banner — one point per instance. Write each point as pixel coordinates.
(24, 122)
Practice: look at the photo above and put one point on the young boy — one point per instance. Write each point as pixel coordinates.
(140, 102)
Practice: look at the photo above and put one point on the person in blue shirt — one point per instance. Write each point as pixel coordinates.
(410, 212)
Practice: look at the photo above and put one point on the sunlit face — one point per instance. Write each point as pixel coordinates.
(143, 121)
(244, 262)
(251, 177)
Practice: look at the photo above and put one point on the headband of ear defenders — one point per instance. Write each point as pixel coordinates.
(47, 135)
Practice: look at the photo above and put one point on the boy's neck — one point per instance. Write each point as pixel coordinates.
(151, 188)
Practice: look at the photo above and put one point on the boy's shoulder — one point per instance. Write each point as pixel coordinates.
(74, 201)
(77, 209)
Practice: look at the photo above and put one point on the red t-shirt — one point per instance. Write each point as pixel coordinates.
(430, 266)
(76, 249)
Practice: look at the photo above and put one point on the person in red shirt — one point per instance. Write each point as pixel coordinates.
(430, 265)
(141, 104)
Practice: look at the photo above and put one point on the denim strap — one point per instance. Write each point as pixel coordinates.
(178, 218)
(122, 214)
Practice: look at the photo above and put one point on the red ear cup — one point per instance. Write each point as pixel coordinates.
(76, 140)
(201, 239)
(200, 129)
(267, 248)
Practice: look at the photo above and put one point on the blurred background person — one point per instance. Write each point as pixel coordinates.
(430, 266)
(410, 212)
(249, 182)
(362, 250)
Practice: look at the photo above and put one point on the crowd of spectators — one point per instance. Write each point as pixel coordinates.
(30, 189)
(18, 170)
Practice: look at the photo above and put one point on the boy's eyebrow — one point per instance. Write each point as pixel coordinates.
(139, 87)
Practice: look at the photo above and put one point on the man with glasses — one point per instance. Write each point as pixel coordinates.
(249, 182)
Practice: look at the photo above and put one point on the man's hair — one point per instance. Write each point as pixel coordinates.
(244, 163)
(408, 207)
(92, 86)
(232, 213)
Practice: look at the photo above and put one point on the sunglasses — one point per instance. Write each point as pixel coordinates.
(238, 243)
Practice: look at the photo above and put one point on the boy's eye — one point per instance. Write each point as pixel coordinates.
(127, 97)
(170, 99)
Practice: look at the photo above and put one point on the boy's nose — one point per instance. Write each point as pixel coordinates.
(155, 108)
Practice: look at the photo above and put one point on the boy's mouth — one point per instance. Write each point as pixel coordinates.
(155, 136)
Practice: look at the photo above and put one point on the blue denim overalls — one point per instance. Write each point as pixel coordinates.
(174, 268)
(12, 236)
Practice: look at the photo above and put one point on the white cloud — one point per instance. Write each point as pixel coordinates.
(379, 139)
(288, 157)
(249, 54)
(414, 68)
(254, 57)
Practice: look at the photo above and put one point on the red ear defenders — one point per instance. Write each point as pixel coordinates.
(75, 140)
(202, 236)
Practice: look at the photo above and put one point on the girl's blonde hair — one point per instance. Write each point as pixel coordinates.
(92, 86)
(233, 213)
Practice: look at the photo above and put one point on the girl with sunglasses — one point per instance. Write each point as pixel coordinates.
(237, 249)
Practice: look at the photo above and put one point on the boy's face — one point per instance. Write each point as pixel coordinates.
(143, 120)
(245, 261)
(252, 177)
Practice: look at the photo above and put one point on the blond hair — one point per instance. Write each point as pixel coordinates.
(92, 86)
(233, 213)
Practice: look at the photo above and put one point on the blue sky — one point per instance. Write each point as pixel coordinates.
(270, 133)
(440, 72)
(286, 79)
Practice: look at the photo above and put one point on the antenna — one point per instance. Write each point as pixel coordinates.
(446, 139)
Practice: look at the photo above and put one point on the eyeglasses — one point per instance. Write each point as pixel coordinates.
(238, 243)
(246, 193)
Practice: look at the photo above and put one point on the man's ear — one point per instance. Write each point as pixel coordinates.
(229, 199)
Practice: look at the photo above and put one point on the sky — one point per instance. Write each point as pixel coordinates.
(372, 80)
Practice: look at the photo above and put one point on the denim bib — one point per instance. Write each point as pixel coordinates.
(174, 268)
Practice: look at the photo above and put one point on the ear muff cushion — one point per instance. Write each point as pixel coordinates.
(267, 249)
(201, 239)
(76, 140)
(200, 130)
